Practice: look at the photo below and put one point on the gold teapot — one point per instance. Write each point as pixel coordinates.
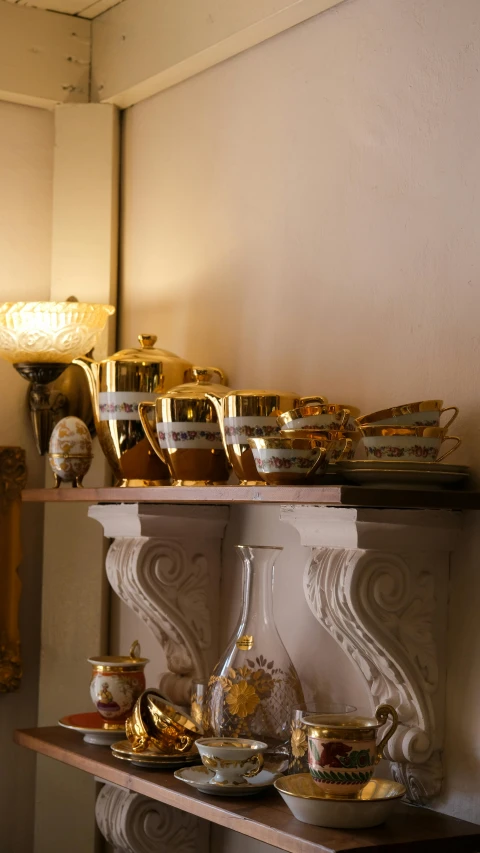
(252, 414)
(188, 435)
(117, 385)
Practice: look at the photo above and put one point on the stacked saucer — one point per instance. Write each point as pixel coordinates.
(152, 759)
(404, 447)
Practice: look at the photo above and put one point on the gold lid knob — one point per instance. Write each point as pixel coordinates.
(147, 341)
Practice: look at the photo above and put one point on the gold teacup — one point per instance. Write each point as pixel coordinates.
(156, 723)
(411, 444)
(288, 461)
(422, 413)
(338, 445)
(326, 416)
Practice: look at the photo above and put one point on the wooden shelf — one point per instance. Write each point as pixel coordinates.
(265, 817)
(331, 495)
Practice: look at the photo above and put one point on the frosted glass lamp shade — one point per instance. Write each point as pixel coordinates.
(52, 332)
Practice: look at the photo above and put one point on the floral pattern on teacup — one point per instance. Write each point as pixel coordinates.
(314, 422)
(335, 765)
(248, 431)
(398, 452)
(285, 463)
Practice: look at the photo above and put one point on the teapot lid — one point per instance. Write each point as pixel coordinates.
(201, 385)
(147, 353)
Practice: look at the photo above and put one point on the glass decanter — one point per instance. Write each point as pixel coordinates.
(254, 686)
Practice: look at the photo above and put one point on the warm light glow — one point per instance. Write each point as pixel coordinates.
(49, 331)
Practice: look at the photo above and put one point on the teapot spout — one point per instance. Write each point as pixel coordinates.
(90, 367)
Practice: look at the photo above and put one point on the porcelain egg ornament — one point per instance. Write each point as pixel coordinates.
(70, 451)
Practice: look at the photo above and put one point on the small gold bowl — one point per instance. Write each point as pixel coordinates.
(154, 722)
(288, 461)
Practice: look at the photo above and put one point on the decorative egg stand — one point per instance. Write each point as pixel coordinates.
(375, 578)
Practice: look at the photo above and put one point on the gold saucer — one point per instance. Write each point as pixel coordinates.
(369, 807)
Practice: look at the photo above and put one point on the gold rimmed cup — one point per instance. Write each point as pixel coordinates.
(421, 413)
(343, 749)
(338, 444)
(117, 682)
(325, 416)
(411, 444)
(232, 760)
(288, 461)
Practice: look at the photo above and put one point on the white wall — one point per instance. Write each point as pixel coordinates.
(26, 162)
(306, 216)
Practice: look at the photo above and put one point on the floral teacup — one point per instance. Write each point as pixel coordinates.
(338, 445)
(298, 748)
(321, 416)
(422, 413)
(232, 759)
(117, 682)
(288, 461)
(343, 751)
(411, 444)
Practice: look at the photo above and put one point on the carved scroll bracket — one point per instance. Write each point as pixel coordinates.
(377, 580)
(164, 563)
(132, 823)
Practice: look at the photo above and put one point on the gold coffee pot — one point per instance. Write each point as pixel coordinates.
(252, 414)
(117, 385)
(188, 435)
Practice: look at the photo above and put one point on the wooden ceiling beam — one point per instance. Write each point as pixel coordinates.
(44, 57)
(141, 47)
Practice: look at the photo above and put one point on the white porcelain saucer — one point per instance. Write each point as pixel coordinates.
(200, 778)
(403, 474)
(92, 726)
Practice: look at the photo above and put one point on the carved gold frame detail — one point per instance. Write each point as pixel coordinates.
(13, 477)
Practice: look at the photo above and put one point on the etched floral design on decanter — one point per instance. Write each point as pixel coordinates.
(254, 686)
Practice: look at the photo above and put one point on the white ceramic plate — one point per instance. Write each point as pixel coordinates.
(90, 725)
(372, 805)
(199, 778)
(403, 474)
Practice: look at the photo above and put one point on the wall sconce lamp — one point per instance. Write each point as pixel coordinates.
(41, 339)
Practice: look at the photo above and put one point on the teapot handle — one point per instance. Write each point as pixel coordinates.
(143, 410)
(382, 714)
(204, 374)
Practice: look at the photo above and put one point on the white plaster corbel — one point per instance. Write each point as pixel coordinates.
(132, 823)
(164, 563)
(377, 580)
